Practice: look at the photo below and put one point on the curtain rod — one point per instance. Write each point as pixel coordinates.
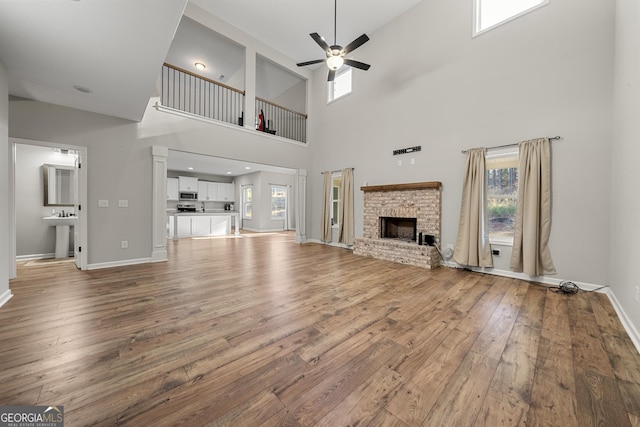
(553, 138)
(339, 170)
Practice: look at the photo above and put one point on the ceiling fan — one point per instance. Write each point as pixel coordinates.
(336, 54)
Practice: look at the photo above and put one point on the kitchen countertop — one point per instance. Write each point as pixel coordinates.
(200, 213)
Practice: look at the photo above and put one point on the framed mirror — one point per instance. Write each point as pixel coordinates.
(58, 185)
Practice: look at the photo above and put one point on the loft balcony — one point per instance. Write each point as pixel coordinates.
(187, 92)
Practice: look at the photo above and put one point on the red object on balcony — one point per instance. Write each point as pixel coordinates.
(261, 121)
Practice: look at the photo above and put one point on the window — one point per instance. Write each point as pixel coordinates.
(502, 193)
(278, 201)
(341, 84)
(491, 13)
(247, 199)
(336, 181)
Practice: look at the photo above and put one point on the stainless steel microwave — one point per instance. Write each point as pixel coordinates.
(188, 195)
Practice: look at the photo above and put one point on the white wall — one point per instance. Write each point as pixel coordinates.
(35, 238)
(261, 204)
(5, 226)
(119, 163)
(431, 84)
(625, 205)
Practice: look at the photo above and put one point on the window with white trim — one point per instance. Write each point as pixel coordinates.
(502, 193)
(489, 14)
(247, 201)
(341, 84)
(278, 201)
(336, 181)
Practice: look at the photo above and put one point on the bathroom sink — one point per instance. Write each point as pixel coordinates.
(56, 220)
(62, 225)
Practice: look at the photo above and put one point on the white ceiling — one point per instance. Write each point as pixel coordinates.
(115, 48)
(285, 25)
(191, 163)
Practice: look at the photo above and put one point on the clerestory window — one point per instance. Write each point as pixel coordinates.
(489, 14)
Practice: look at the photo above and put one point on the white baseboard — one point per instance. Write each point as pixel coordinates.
(334, 244)
(6, 296)
(121, 263)
(540, 279)
(34, 256)
(159, 256)
(624, 319)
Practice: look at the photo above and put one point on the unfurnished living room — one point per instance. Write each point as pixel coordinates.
(319, 213)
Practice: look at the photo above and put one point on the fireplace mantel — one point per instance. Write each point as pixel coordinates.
(400, 187)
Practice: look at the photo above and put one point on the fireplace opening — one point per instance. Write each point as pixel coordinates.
(398, 228)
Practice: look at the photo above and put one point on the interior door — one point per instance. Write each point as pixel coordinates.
(77, 229)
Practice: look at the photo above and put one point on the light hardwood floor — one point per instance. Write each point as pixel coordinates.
(261, 331)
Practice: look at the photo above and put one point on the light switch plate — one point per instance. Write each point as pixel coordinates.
(103, 203)
(123, 203)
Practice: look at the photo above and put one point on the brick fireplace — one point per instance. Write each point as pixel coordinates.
(408, 203)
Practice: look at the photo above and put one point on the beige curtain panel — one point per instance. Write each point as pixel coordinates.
(472, 245)
(531, 253)
(325, 223)
(345, 216)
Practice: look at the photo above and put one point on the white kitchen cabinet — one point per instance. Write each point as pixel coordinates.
(200, 225)
(172, 189)
(184, 226)
(226, 192)
(187, 183)
(207, 191)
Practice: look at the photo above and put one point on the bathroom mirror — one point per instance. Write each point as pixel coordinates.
(58, 185)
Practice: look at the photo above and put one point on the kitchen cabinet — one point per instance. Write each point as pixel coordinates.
(215, 191)
(172, 189)
(187, 183)
(226, 192)
(184, 225)
(207, 191)
(201, 224)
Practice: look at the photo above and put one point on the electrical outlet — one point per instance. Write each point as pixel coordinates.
(637, 294)
(124, 244)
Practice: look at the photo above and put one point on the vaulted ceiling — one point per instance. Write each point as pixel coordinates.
(105, 56)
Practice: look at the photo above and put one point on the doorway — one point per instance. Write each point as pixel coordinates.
(31, 236)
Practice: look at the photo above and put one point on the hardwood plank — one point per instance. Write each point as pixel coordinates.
(260, 330)
(461, 401)
(599, 401)
(501, 409)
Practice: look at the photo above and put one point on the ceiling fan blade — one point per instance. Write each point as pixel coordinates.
(355, 44)
(332, 75)
(323, 44)
(357, 64)
(315, 61)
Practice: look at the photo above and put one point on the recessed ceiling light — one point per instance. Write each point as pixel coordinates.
(229, 173)
(190, 168)
(200, 66)
(247, 167)
(82, 89)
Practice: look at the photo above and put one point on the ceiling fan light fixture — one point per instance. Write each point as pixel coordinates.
(335, 62)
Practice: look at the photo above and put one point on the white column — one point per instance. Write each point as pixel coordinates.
(159, 220)
(301, 205)
(7, 257)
